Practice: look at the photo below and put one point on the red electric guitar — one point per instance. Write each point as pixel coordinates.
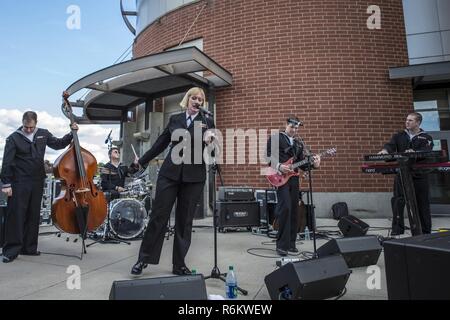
(278, 179)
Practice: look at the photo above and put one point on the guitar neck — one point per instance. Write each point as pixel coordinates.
(305, 161)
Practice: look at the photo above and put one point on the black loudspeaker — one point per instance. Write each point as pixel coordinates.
(418, 267)
(351, 226)
(309, 279)
(238, 214)
(357, 251)
(166, 288)
(267, 200)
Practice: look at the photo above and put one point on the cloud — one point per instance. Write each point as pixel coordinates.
(92, 137)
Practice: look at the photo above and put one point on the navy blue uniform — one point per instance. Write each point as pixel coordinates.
(400, 142)
(23, 169)
(109, 182)
(287, 207)
(184, 182)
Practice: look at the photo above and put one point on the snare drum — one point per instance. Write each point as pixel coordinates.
(127, 218)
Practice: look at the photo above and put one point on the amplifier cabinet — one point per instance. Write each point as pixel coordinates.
(238, 214)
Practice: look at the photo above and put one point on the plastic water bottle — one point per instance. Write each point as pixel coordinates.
(231, 284)
(307, 236)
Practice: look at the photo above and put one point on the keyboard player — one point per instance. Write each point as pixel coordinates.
(411, 139)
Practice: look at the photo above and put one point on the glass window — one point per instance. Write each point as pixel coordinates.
(434, 106)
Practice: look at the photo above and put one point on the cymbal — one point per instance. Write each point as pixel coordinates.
(107, 171)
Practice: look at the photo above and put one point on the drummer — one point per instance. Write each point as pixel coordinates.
(113, 174)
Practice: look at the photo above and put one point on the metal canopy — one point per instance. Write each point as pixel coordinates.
(118, 88)
(423, 74)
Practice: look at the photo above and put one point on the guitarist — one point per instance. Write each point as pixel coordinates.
(288, 195)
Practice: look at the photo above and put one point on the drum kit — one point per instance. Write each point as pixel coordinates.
(128, 214)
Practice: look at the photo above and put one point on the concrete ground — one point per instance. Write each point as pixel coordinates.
(252, 255)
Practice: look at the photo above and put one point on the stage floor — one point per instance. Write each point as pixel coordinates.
(252, 255)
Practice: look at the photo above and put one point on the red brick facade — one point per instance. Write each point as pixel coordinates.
(315, 59)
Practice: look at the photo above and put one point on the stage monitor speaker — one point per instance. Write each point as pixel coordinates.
(166, 288)
(309, 279)
(351, 226)
(417, 268)
(357, 251)
(238, 214)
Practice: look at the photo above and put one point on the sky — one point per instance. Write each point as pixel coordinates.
(45, 46)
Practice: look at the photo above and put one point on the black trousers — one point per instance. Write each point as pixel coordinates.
(421, 188)
(287, 214)
(187, 196)
(22, 219)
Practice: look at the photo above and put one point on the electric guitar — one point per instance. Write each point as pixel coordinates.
(278, 179)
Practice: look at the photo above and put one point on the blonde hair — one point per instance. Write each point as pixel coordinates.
(191, 92)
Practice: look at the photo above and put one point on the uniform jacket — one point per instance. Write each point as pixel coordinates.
(400, 142)
(186, 172)
(285, 150)
(23, 160)
(111, 181)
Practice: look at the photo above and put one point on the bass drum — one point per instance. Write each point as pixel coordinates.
(127, 218)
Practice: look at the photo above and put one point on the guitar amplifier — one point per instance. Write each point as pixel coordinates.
(267, 200)
(271, 195)
(236, 194)
(238, 214)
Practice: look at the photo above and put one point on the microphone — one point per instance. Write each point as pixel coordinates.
(109, 136)
(295, 122)
(203, 110)
(284, 261)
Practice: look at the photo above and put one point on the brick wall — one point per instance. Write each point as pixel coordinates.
(314, 59)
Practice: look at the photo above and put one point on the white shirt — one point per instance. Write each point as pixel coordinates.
(291, 139)
(30, 136)
(192, 117)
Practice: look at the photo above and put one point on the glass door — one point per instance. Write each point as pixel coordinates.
(435, 108)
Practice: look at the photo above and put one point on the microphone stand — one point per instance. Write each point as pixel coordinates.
(215, 272)
(310, 202)
(108, 141)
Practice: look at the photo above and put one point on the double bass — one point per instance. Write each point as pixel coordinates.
(80, 207)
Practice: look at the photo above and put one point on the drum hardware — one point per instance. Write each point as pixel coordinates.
(106, 233)
(128, 218)
(104, 170)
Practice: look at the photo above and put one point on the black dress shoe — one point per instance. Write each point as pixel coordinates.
(181, 271)
(293, 250)
(137, 268)
(8, 259)
(282, 252)
(36, 253)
